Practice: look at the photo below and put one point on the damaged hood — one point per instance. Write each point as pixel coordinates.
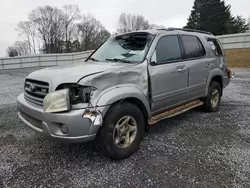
(74, 72)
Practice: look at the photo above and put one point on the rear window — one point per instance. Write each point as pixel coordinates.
(193, 47)
(215, 46)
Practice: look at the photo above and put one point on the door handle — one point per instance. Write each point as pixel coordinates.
(182, 69)
(208, 65)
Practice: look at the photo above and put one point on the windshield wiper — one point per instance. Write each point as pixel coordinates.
(93, 59)
(121, 60)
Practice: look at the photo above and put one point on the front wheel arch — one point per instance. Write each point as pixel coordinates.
(122, 94)
(137, 102)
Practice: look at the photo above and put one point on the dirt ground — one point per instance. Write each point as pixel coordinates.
(194, 149)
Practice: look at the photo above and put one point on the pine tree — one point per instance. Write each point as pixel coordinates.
(239, 25)
(214, 16)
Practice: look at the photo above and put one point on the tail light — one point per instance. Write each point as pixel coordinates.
(230, 73)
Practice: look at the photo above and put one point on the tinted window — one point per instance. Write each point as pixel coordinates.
(215, 46)
(168, 49)
(193, 47)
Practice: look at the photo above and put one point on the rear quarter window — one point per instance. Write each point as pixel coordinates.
(193, 47)
(215, 46)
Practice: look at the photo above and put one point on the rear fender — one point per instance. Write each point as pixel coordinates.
(215, 72)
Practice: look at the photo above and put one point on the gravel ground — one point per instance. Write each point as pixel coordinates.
(194, 149)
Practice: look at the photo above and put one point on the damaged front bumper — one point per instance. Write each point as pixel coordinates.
(79, 125)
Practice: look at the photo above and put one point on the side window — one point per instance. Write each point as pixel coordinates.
(193, 47)
(214, 44)
(168, 49)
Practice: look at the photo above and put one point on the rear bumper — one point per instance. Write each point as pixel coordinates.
(78, 127)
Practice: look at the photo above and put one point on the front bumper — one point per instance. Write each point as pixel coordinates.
(79, 127)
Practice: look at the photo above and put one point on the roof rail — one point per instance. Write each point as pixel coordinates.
(188, 30)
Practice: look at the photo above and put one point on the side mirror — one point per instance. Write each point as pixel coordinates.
(153, 63)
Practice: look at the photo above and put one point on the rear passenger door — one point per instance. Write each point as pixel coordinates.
(168, 74)
(198, 72)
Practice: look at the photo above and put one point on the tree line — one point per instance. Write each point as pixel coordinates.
(53, 30)
(65, 30)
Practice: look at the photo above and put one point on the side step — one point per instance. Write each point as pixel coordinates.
(175, 111)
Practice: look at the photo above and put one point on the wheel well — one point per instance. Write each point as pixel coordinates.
(140, 105)
(219, 80)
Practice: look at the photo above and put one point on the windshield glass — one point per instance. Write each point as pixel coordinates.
(128, 48)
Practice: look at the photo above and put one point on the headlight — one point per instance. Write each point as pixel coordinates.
(57, 101)
(81, 94)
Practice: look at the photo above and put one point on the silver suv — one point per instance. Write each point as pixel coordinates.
(130, 82)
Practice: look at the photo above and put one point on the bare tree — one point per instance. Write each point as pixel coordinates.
(71, 14)
(155, 26)
(92, 33)
(248, 21)
(28, 30)
(11, 51)
(54, 30)
(131, 22)
(19, 48)
(22, 47)
(49, 22)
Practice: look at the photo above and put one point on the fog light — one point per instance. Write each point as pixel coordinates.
(64, 129)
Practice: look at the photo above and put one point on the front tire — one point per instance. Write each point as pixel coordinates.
(213, 99)
(122, 131)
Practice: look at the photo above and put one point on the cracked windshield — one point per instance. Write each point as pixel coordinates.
(125, 48)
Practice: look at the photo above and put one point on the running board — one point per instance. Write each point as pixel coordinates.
(175, 111)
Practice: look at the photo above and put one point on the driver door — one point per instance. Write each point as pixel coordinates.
(168, 75)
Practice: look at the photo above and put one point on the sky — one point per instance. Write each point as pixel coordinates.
(162, 12)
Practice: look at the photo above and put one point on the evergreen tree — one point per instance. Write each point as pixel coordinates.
(239, 25)
(214, 16)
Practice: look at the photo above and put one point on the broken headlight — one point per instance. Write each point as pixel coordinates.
(81, 94)
(57, 101)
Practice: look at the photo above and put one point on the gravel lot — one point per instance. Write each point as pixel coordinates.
(194, 149)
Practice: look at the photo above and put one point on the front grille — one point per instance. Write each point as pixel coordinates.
(35, 91)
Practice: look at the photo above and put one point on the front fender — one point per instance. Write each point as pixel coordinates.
(213, 73)
(119, 93)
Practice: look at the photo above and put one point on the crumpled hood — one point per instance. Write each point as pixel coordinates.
(74, 72)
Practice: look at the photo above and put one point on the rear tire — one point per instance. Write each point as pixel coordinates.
(122, 130)
(213, 99)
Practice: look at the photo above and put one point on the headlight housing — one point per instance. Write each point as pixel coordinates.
(57, 101)
(78, 93)
(81, 94)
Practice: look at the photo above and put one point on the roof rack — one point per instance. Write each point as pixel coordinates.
(188, 30)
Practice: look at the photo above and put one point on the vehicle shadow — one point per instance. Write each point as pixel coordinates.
(91, 151)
